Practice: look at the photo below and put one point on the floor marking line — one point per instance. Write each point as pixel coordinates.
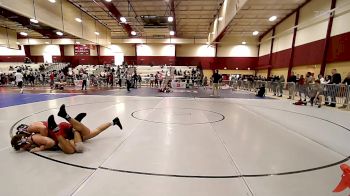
(228, 153)
(109, 157)
(295, 132)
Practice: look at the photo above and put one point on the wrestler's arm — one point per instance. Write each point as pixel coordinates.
(43, 143)
(38, 128)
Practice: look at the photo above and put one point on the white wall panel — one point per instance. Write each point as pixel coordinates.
(341, 20)
(49, 13)
(4, 51)
(265, 45)
(313, 25)
(195, 51)
(39, 50)
(155, 50)
(23, 7)
(237, 51)
(127, 49)
(70, 12)
(284, 34)
(69, 50)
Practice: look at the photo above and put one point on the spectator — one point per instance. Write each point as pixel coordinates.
(336, 79)
(216, 78)
(19, 80)
(346, 82)
(84, 78)
(292, 79)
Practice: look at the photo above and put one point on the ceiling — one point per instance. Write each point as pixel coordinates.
(193, 17)
(254, 16)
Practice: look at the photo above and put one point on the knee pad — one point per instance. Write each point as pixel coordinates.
(79, 147)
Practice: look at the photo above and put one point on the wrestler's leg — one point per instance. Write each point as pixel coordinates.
(78, 142)
(84, 131)
(65, 145)
(103, 127)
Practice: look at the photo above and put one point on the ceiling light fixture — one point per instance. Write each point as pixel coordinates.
(78, 20)
(23, 33)
(170, 19)
(255, 33)
(97, 33)
(244, 43)
(52, 1)
(133, 33)
(221, 18)
(47, 42)
(77, 42)
(236, 68)
(123, 19)
(17, 43)
(59, 33)
(33, 20)
(272, 18)
(172, 32)
(108, 0)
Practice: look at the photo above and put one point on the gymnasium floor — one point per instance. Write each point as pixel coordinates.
(181, 146)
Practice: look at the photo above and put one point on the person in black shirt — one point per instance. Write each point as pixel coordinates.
(216, 77)
(336, 79)
(346, 82)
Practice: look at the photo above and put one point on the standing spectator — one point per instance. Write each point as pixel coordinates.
(139, 78)
(19, 80)
(292, 79)
(52, 80)
(301, 84)
(151, 80)
(84, 78)
(336, 79)
(216, 78)
(128, 81)
(281, 85)
(135, 78)
(346, 82)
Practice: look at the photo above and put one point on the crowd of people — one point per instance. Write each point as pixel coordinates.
(307, 87)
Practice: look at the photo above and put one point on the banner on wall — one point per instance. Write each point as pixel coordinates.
(82, 50)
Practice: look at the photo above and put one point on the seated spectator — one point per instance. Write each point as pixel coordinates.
(261, 91)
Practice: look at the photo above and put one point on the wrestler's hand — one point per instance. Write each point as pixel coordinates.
(36, 149)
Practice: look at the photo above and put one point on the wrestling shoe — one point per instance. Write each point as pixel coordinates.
(116, 121)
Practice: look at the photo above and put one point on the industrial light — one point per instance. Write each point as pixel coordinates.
(255, 33)
(272, 18)
(77, 42)
(123, 19)
(244, 43)
(97, 33)
(23, 33)
(59, 33)
(236, 68)
(170, 19)
(52, 1)
(133, 33)
(33, 20)
(172, 33)
(108, 0)
(17, 43)
(248, 68)
(47, 42)
(221, 18)
(78, 20)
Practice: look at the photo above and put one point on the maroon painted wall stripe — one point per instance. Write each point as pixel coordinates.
(271, 50)
(327, 41)
(291, 61)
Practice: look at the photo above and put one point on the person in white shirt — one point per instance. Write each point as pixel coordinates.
(19, 80)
